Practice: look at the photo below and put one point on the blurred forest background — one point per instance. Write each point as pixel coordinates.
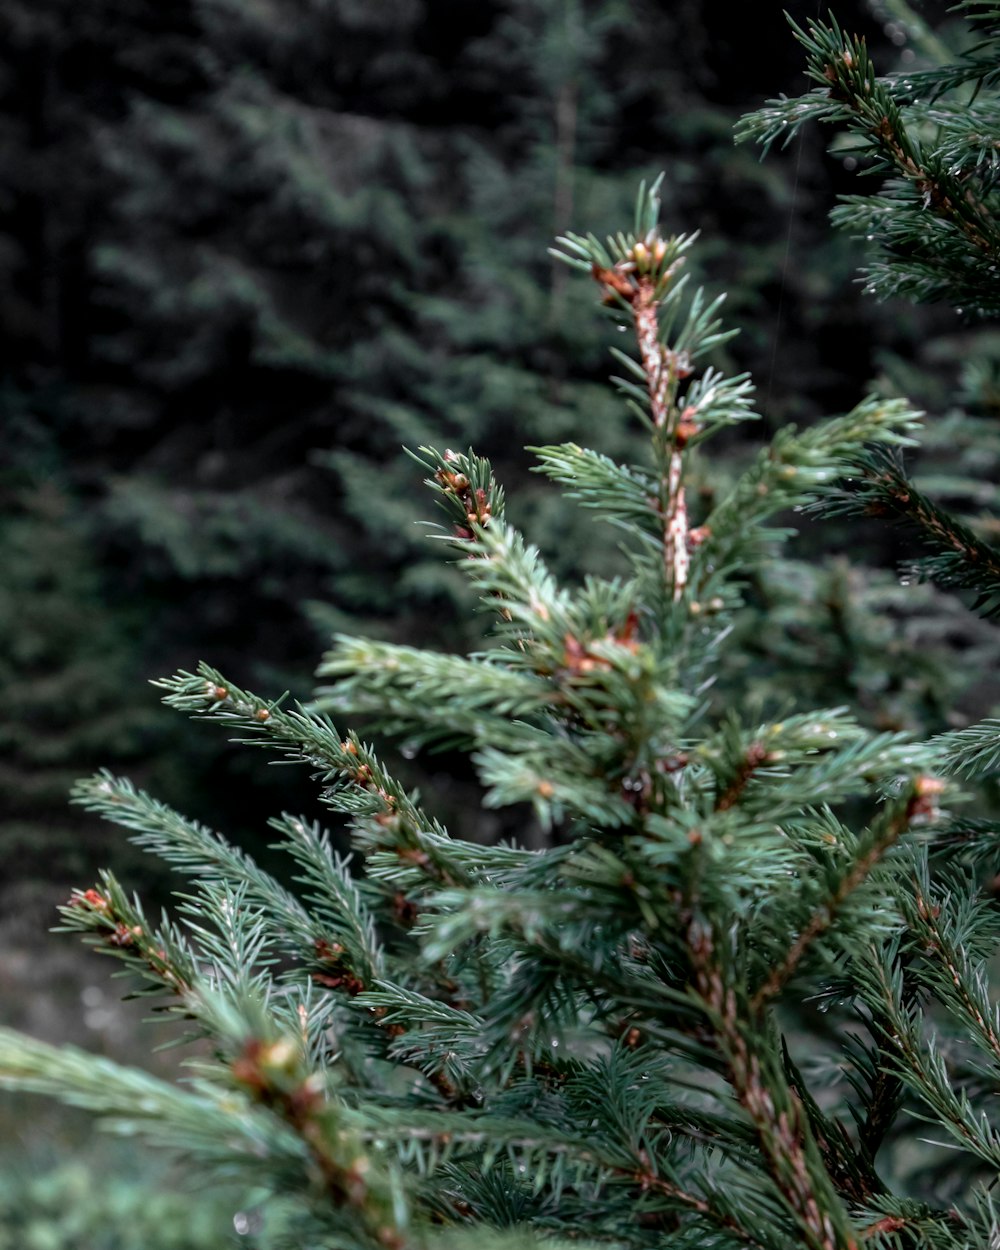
(249, 250)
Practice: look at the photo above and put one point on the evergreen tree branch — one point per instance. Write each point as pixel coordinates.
(442, 1139)
(852, 92)
(115, 925)
(790, 473)
(637, 274)
(881, 1091)
(851, 1170)
(920, 1064)
(355, 781)
(337, 908)
(972, 752)
(789, 1151)
(193, 849)
(485, 698)
(956, 944)
(577, 1040)
(215, 1125)
(639, 280)
(283, 1119)
(935, 218)
(881, 836)
(960, 560)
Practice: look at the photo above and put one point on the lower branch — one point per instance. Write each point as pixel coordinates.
(883, 835)
(782, 1130)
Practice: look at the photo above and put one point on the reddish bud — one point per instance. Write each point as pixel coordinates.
(90, 898)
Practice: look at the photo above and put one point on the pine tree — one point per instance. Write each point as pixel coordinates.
(582, 1043)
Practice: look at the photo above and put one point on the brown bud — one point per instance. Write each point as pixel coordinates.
(614, 283)
(125, 936)
(406, 910)
(326, 951)
(925, 791)
(756, 754)
(347, 982)
(686, 430)
(414, 855)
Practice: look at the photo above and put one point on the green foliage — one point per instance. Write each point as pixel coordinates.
(237, 234)
(68, 1207)
(959, 559)
(602, 1041)
(932, 143)
(928, 135)
(577, 1044)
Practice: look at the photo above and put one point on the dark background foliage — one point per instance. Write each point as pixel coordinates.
(250, 251)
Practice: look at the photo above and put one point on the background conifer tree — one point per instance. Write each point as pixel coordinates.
(248, 254)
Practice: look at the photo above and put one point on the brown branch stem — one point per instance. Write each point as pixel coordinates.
(778, 1118)
(940, 949)
(881, 837)
(659, 367)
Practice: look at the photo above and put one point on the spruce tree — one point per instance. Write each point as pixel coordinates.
(603, 1041)
(582, 1041)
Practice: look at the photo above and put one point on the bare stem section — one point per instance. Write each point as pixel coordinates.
(662, 369)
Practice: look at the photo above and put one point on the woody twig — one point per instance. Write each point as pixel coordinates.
(639, 283)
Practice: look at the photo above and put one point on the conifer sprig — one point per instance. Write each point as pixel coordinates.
(973, 751)
(354, 781)
(637, 274)
(115, 924)
(193, 849)
(959, 559)
(933, 224)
